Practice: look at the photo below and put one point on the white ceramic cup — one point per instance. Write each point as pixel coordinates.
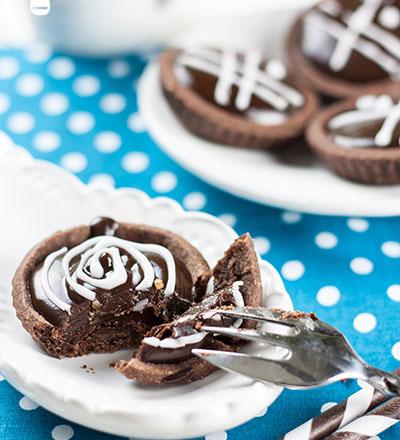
(107, 27)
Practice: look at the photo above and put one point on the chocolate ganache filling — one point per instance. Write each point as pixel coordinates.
(354, 40)
(111, 276)
(244, 84)
(373, 123)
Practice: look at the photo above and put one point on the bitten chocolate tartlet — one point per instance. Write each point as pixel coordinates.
(238, 99)
(112, 285)
(345, 48)
(359, 139)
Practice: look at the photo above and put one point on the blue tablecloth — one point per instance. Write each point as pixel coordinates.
(82, 114)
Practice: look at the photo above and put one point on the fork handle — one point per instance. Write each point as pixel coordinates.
(386, 383)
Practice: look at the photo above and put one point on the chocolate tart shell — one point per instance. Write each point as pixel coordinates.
(380, 166)
(239, 263)
(52, 338)
(323, 83)
(211, 122)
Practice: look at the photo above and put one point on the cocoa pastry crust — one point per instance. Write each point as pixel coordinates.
(63, 340)
(380, 166)
(324, 83)
(209, 121)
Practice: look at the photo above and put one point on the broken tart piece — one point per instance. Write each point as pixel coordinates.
(108, 286)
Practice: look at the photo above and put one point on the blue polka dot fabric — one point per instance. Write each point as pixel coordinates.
(82, 114)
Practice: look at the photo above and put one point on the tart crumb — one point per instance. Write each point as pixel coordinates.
(159, 284)
(96, 304)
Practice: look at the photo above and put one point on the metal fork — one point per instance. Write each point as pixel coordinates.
(316, 353)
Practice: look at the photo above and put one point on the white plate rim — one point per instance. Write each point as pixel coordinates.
(149, 92)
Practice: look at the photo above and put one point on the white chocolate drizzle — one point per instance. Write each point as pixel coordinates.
(246, 75)
(172, 343)
(91, 274)
(369, 108)
(359, 33)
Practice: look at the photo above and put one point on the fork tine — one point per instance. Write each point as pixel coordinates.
(248, 335)
(274, 371)
(256, 314)
(251, 335)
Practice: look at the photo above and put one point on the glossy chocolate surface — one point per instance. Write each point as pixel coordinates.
(238, 86)
(374, 122)
(122, 298)
(363, 131)
(353, 40)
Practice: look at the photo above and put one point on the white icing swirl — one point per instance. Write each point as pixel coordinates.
(359, 31)
(230, 70)
(90, 271)
(369, 108)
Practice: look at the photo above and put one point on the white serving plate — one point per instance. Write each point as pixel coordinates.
(290, 178)
(38, 198)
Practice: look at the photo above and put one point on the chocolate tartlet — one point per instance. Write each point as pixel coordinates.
(345, 48)
(359, 139)
(111, 285)
(238, 99)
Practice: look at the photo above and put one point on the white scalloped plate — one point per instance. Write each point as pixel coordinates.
(38, 198)
(291, 178)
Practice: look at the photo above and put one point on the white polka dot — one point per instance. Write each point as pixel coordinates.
(364, 322)
(62, 432)
(328, 296)
(326, 240)
(389, 17)
(38, 53)
(261, 244)
(163, 182)
(293, 270)
(102, 180)
(229, 219)
(80, 122)
(61, 68)
(118, 68)
(358, 224)
(46, 141)
(391, 249)
(107, 141)
(194, 200)
(86, 85)
(4, 103)
(396, 351)
(112, 103)
(9, 67)
(361, 266)
(222, 435)
(393, 292)
(135, 162)
(327, 405)
(27, 404)
(291, 217)
(54, 104)
(136, 123)
(21, 122)
(74, 162)
(29, 84)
